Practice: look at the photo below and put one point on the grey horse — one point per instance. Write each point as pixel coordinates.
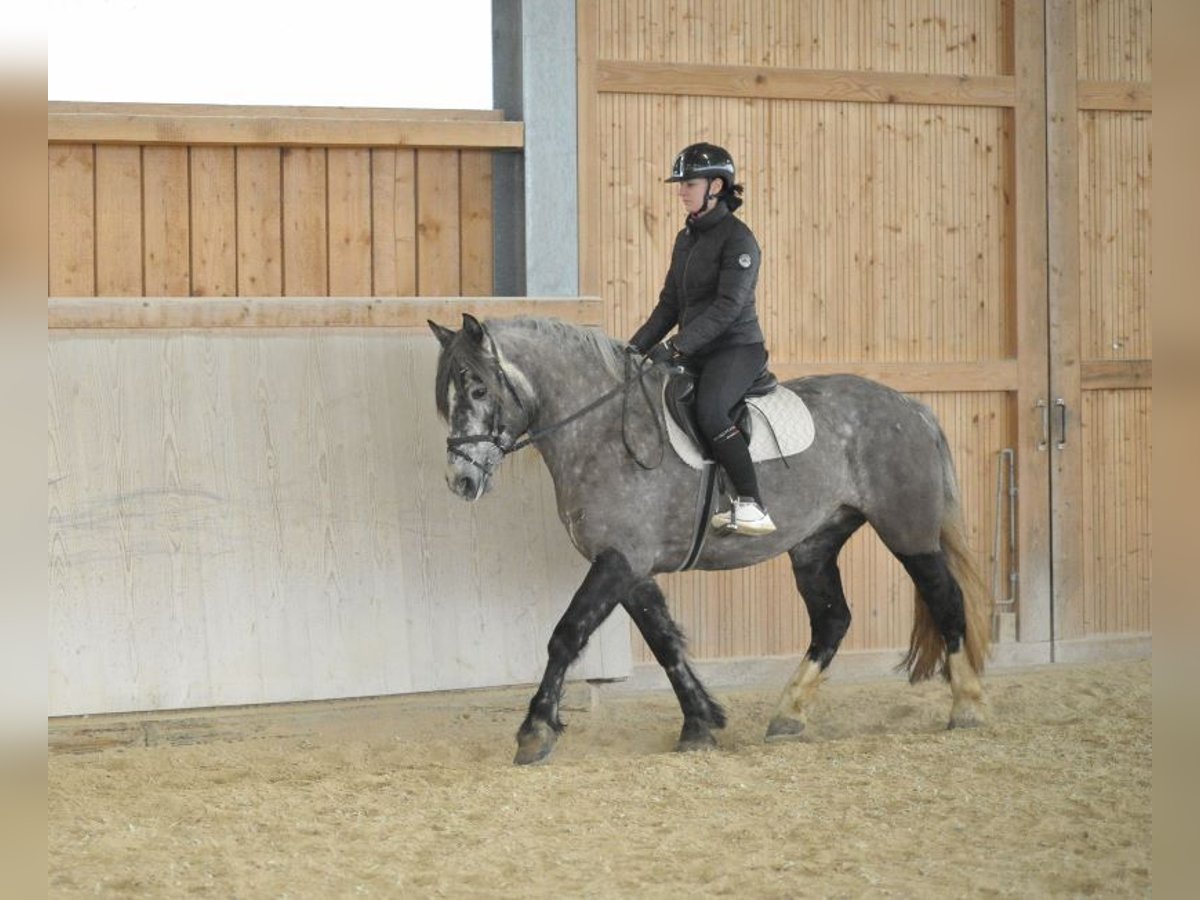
(584, 400)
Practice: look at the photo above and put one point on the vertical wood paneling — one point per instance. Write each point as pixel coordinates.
(883, 227)
(475, 215)
(214, 222)
(118, 221)
(394, 214)
(439, 233)
(70, 175)
(1116, 565)
(259, 222)
(173, 220)
(957, 37)
(349, 222)
(1114, 222)
(1114, 39)
(305, 232)
(167, 230)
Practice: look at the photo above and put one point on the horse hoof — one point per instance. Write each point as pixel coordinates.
(965, 718)
(695, 736)
(534, 744)
(783, 728)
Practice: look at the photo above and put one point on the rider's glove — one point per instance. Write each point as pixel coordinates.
(662, 353)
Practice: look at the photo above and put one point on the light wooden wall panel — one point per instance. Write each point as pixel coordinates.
(166, 227)
(1113, 40)
(243, 518)
(929, 36)
(305, 243)
(259, 222)
(1114, 213)
(882, 227)
(1116, 564)
(394, 214)
(118, 221)
(214, 221)
(147, 214)
(71, 249)
(349, 222)
(438, 227)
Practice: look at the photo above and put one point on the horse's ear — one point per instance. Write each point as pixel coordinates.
(472, 327)
(442, 333)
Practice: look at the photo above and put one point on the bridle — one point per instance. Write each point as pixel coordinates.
(498, 437)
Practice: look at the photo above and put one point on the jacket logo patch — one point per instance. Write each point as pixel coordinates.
(744, 260)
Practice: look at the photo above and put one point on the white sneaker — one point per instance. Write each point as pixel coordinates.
(744, 517)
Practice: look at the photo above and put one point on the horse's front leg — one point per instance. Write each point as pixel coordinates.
(604, 587)
(647, 607)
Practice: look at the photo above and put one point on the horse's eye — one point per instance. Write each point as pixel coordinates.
(477, 392)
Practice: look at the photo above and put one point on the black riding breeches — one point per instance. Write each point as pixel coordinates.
(725, 376)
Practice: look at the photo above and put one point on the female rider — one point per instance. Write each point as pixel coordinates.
(709, 295)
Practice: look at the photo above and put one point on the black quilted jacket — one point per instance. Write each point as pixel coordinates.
(709, 289)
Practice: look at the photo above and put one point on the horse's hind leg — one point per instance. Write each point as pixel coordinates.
(647, 607)
(814, 564)
(943, 599)
(606, 584)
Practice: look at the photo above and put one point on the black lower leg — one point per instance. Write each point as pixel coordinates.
(814, 565)
(732, 453)
(647, 607)
(828, 613)
(941, 593)
(606, 584)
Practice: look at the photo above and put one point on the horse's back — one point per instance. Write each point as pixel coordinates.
(894, 453)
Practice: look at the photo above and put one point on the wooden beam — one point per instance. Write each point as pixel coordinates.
(1116, 374)
(190, 110)
(1029, 248)
(803, 84)
(1121, 96)
(273, 126)
(171, 313)
(922, 377)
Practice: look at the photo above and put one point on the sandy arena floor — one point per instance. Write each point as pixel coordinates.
(416, 797)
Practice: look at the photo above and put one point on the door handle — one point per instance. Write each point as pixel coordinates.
(1061, 405)
(1045, 408)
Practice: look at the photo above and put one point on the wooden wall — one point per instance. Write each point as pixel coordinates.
(267, 201)
(246, 501)
(894, 156)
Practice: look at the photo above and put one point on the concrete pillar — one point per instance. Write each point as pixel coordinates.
(535, 193)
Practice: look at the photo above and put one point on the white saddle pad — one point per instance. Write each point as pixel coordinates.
(781, 425)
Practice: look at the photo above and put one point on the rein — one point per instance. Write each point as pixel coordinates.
(497, 437)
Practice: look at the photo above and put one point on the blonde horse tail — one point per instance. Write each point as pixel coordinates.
(927, 648)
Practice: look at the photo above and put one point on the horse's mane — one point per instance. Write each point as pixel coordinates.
(463, 353)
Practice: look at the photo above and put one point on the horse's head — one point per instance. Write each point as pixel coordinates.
(477, 399)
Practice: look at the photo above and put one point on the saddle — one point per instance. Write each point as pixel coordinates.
(679, 397)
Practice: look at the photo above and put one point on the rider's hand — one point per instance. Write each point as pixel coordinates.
(662, 353)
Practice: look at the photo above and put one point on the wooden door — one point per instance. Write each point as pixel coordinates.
(1100, 337)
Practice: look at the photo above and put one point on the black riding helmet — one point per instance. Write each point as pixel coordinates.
(708, 161)
(703, 161)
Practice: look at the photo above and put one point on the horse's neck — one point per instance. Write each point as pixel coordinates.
(564, 378)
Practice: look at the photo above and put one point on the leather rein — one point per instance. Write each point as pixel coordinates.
(496, 435)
